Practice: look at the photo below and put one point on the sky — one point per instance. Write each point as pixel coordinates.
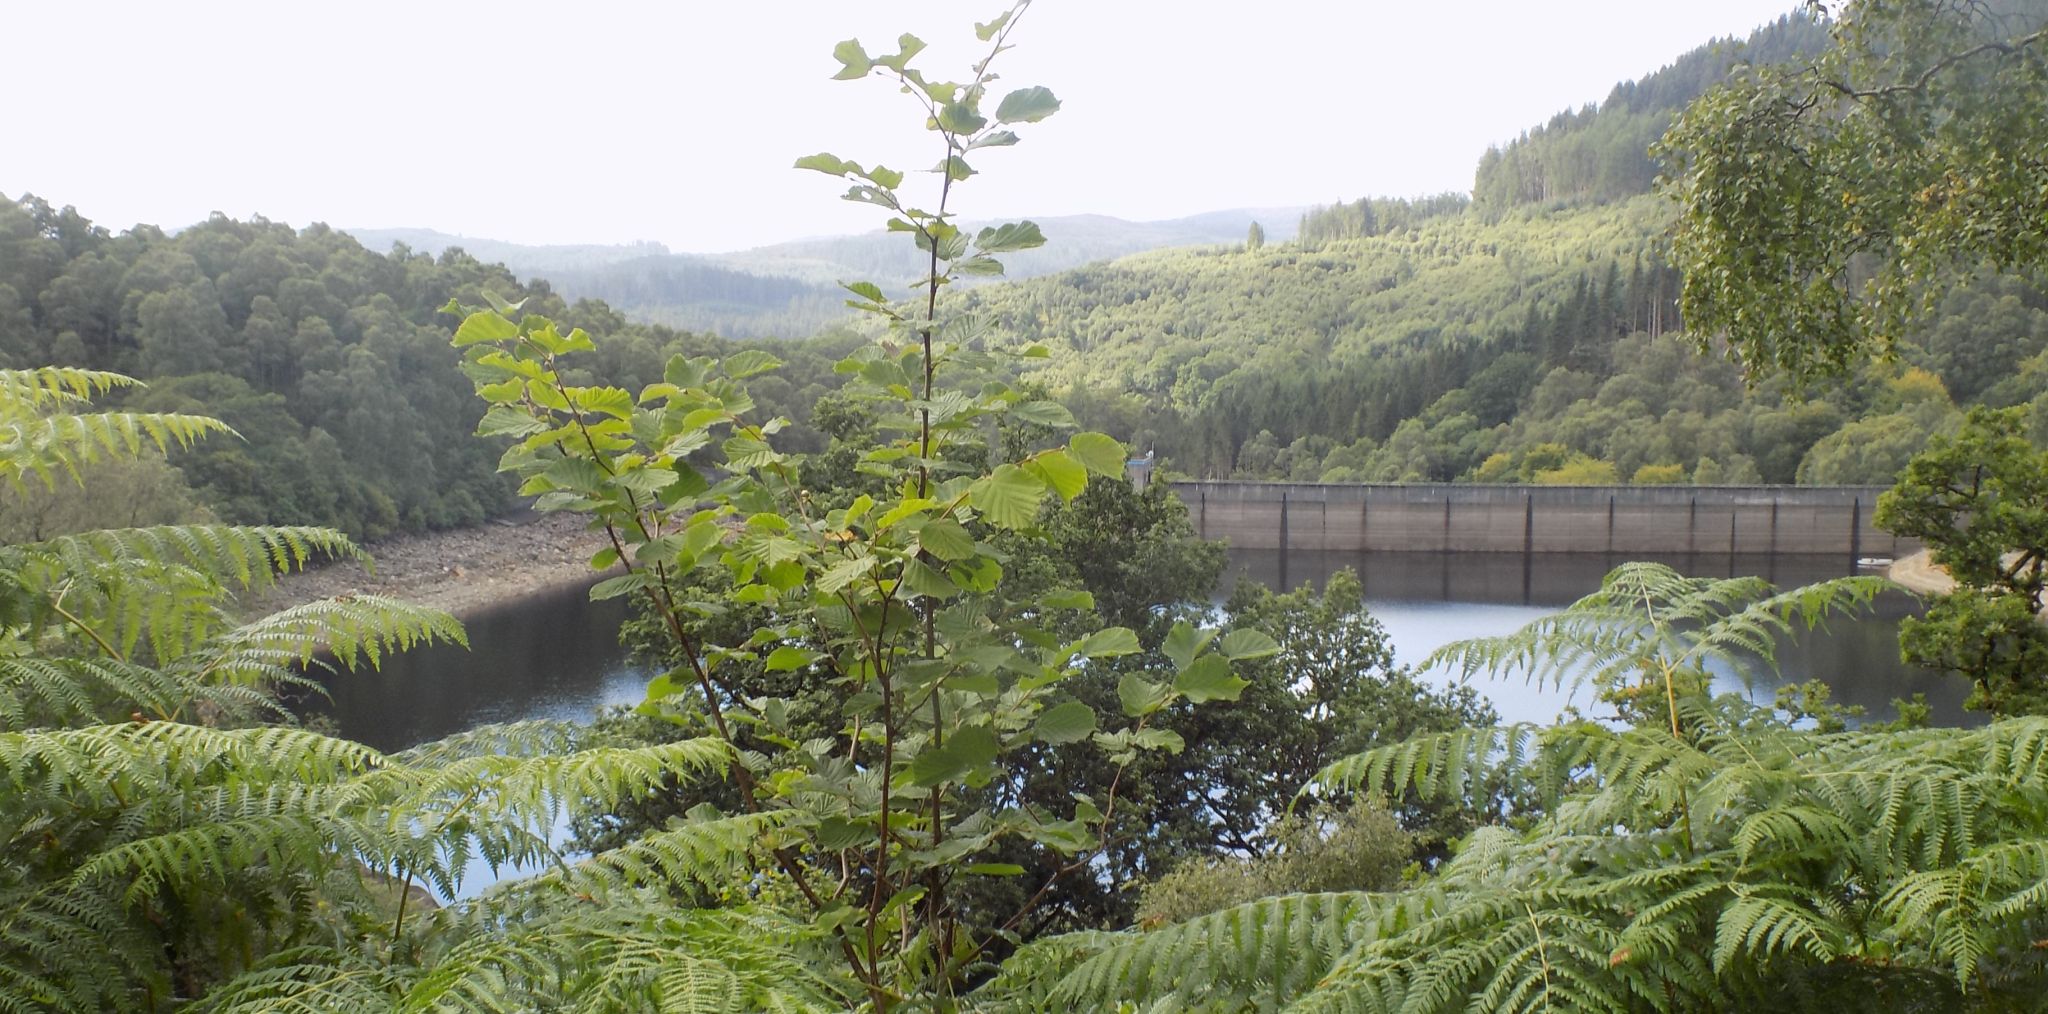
(678, 121)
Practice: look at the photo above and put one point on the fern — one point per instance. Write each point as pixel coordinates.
(1728, 862)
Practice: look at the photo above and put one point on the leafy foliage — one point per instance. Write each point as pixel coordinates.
(1976, 500)
(1823, 204)
(1731, 864)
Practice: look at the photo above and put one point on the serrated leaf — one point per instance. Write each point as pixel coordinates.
(624, 584)
(1066, 723)
(1067, 598)
(1109, 642)
(1140, 696)
(1160, 739)
(741, 365)
(983, 266)
(1027, 105)
(1184, 642)
(506, 421)
(988, 31)
(838, 576)
(854, 61)
(963, 751)
(946, 539)
(865, 290)
(1062, 473)
(484, 326)
(1209, 679)
(829, 164)
(1008, 497)
(995, 869)
(960, 118)
(993, 139)
(1102, 454)
(1009, 236)
(789, 658)
(1044, 413)
(1244, 644)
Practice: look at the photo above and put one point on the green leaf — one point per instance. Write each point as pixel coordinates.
(1062, 473)
(1160, 739)
(988, 31)
(1067, 598)
(484, 326)
(1066, 723)
(960, 118)
(838, 576)
(1044, 413)
(1102, 454)
(993, 139)
(789, 659)
(964, 750)
(945, 539)
(886, 178)
(1140, 696)
(1209, 679)
(995, 869)
(988, 266)
(1027, 105)
(1008, 498)
(506, 421)
(1184, 642)
(907, 46)
(1244, 644)
(624, 584)
(741, 365)
(865, 290)
(747, 452)
(1109, 642)
(836, 833)
(829, 164)
(854, 61)
(955, 168)
(1011, 236)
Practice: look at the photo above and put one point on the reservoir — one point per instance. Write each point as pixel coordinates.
(556, 655)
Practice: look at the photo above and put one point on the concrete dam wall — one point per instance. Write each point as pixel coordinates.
(1442, 517)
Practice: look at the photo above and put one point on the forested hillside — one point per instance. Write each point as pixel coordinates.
(1601, 152)
(329, 360)
(1530, 333)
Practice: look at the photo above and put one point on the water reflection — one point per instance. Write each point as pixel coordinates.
(1427, 600)
(557, 654)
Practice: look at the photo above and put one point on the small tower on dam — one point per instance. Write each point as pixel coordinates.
(1140, 470)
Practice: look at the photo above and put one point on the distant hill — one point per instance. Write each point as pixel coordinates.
(790, 290)
(1071, 241)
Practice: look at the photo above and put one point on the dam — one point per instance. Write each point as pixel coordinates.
(1470, 518)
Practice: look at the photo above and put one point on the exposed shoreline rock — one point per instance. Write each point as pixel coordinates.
(463, 571)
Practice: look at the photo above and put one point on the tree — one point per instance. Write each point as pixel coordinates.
(1913, 143)
(1255, 237)
(1979, 501)
(941, 689)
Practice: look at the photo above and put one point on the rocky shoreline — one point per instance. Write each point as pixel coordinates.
(463, 571)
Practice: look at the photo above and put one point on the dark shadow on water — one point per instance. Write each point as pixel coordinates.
(554, 655)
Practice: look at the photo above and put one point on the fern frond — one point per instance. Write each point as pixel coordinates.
(350, 628)
(47, 445)
(308, 980)
(244, 555)
(1257, 954)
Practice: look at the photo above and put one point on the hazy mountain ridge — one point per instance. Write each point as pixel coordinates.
(791, 289)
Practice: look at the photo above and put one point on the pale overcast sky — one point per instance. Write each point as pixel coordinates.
(605, 122)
